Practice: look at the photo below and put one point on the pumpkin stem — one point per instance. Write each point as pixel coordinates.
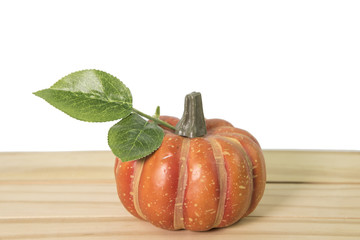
(192, 124)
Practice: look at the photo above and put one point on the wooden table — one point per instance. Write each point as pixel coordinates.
(72, 195)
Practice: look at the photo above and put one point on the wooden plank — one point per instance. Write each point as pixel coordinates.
(310, 200)
(132, 228)
(57, 166)
(72, 195)
(93, 200)
(38, 200)
(313, 166)
(282, 166)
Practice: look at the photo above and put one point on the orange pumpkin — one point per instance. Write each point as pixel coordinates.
(195, 183)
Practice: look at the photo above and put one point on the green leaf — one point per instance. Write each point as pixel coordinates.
(134, 138)
(90, 95)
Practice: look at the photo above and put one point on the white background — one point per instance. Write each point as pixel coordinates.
(286, 71)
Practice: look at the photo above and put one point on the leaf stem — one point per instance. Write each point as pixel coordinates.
(157, 120)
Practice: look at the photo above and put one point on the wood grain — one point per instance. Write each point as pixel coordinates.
(280, 200)
(72, 195)
(313, 166)
(282, 166)
(57, 166)
(132, 228)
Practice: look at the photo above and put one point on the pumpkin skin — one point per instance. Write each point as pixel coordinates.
(195, 183)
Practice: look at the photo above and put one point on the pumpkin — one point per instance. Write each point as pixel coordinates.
(206, 174)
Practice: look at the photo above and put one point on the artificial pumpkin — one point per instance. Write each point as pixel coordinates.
(207, 174)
